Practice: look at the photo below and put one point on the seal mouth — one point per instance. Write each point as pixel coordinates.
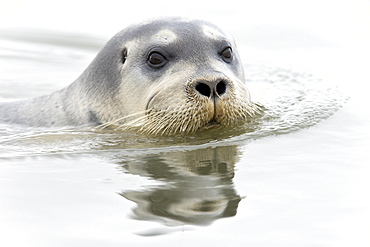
(212, 123)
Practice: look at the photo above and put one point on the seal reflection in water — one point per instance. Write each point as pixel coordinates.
(165, 76)
(196, 186)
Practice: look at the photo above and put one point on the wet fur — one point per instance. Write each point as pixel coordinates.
(118, 89)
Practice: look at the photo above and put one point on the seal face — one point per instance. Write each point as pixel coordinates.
(166, 76)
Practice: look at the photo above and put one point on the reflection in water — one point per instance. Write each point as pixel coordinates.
(198, 186)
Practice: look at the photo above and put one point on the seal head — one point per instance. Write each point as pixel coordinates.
(185, 74)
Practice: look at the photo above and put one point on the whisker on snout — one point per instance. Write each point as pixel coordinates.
(184, 120)
(117, 121)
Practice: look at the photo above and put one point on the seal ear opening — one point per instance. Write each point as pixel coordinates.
(124, 55)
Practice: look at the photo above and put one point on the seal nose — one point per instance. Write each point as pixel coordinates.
(211, 88)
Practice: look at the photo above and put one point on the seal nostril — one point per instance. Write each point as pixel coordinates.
(221, 88)
(203, 89)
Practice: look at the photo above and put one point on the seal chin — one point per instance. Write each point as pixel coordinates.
(211, 124)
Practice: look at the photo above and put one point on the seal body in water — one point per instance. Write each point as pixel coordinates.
(164, 76)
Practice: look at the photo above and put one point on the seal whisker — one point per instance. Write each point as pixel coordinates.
(135, 123)
(113, 122)
(186, 119)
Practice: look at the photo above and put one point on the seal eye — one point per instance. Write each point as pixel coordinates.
(156, 60)
(227, 55)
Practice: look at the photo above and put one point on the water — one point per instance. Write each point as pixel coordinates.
(295, 176)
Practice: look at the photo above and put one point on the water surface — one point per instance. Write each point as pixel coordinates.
(283, 179)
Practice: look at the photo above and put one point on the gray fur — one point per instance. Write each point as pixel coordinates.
(103, 92)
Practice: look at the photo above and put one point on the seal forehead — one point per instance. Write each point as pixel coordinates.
(212, 32)
(166, 35)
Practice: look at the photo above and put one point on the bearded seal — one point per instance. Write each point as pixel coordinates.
(163, 76)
